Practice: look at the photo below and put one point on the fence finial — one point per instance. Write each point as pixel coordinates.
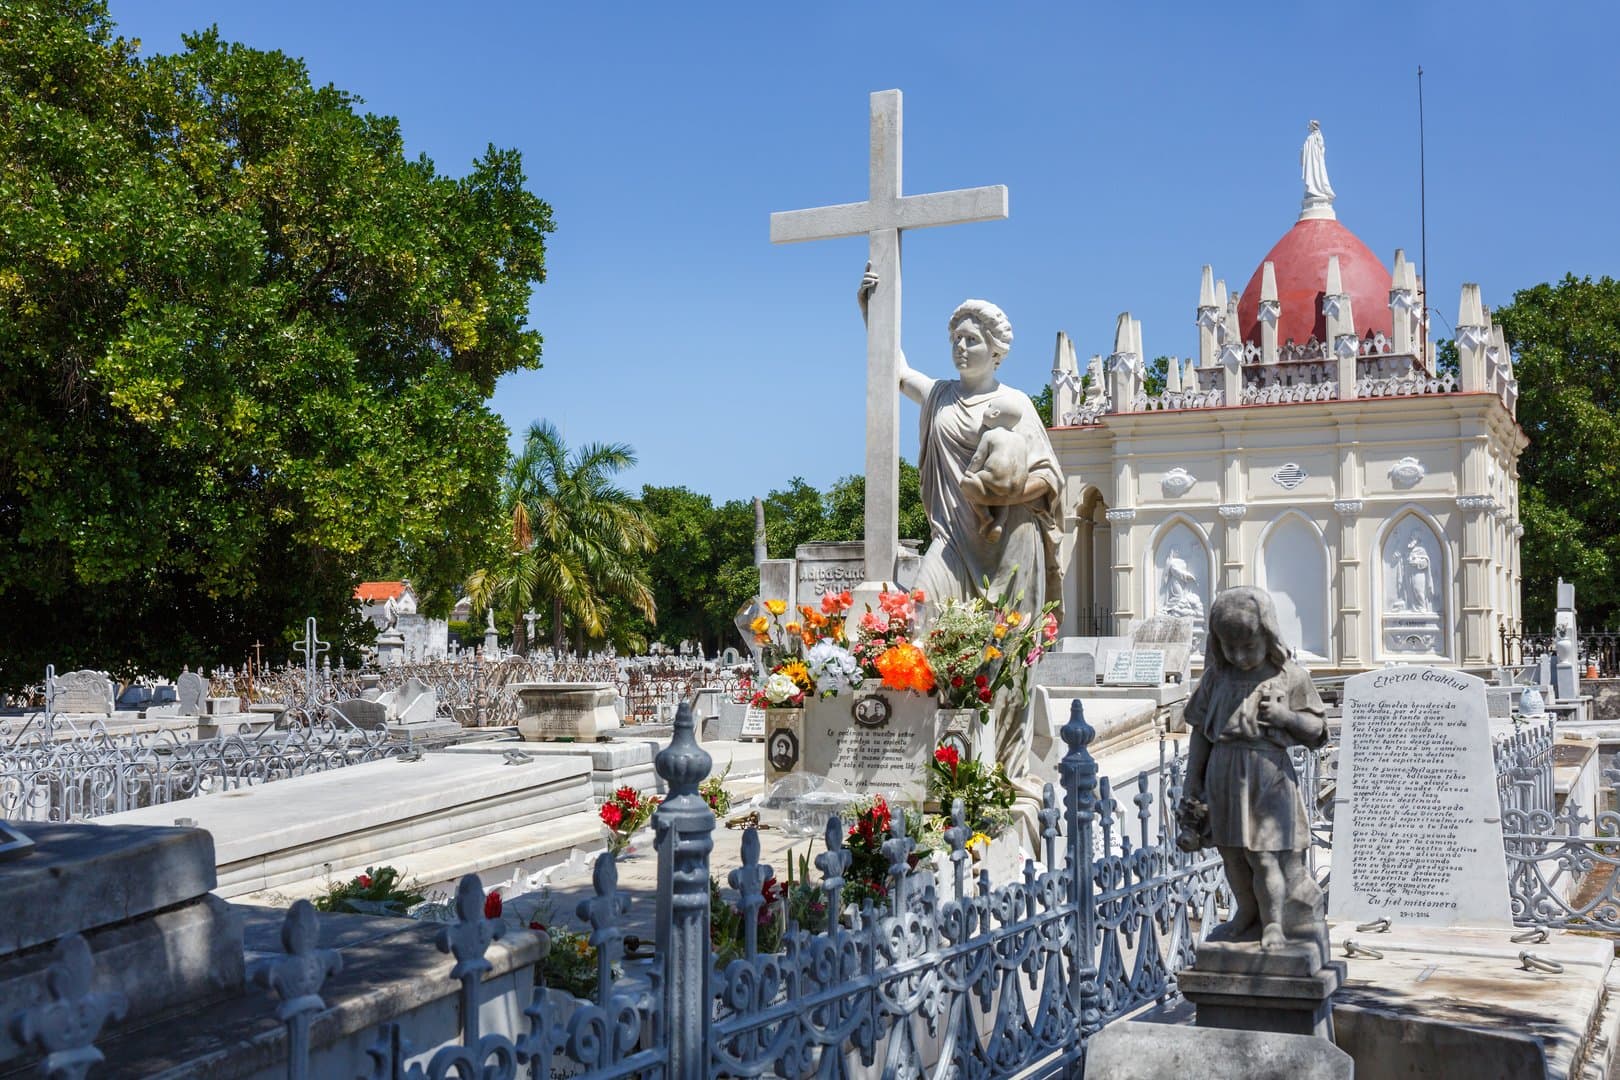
(66, 1026)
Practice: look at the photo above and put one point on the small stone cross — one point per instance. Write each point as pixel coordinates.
(881, 218)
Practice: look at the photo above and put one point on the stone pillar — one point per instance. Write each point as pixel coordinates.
(1209, 317)
(1231, 351)
(684, 836)
(1343, 344)
(1123, 364)
(1349, 587)
(1232, 562)
(1472, 337)
(1403, 302)
(1065, 380)
(1120, 519)
(1477, 631)
(1270, 312)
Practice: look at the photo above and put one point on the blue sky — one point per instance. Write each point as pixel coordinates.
(1138, 142)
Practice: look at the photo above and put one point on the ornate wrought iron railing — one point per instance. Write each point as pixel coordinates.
(946, 977)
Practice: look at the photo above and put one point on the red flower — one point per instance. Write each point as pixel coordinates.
(981, 681)
(984, 694)
(611, 815)
(364, 881)
(492, 904)
(919, 596)
(948, 756)
(771, 890)
(956, 682)
(627, 797)
(536, 924)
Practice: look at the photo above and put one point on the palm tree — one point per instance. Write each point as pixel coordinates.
(576, 541)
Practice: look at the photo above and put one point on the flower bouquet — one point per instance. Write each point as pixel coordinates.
(985, 791)
(886, 650)
(980, 646)
(804, 655)
(625, 814)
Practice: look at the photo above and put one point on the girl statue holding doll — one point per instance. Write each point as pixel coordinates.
(1241, 794)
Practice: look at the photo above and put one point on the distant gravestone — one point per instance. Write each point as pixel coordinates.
(191, 689)
(753, 725)
(730, 724)
(1171, 634)
(1064, 669)
(1134, 667)
(86, 692)
(1417, 833)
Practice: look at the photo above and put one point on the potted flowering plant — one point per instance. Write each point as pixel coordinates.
(625, 814)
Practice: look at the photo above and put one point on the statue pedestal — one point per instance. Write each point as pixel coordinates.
(1287, 989)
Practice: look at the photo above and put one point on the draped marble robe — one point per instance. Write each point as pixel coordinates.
(959, 559)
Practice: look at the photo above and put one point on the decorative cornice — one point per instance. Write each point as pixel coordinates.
(1518, 529)
(1348, 507)
(1270, 312)
(1404, 299)
(1122, 361)
(1232, 511)
(1123, 513)
(1475, 502)
(1208, 317)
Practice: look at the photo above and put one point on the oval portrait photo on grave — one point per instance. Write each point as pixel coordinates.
(783, 750)
(871, 712)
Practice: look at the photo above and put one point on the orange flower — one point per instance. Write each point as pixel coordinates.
(904, 667)
(992, 653)
(1014, 618)
(919, 596)
(792, 628)
(760, 624)
(836, 603)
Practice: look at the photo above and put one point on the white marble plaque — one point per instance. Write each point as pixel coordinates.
(1134, 667)
(1417, 833)
(753, 725)
(873, 743)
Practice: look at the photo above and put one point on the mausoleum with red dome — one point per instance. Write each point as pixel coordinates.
(1310, 447)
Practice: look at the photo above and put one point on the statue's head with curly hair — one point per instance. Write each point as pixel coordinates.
(992, 323)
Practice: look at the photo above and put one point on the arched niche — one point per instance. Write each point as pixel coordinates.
(1294, 569)
(1412, 588)
(1183, 571)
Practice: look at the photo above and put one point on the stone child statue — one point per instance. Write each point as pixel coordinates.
(1241, 794)
(999, 468)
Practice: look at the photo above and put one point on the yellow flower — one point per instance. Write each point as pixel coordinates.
(1000, 631)
(792, 628)
(760, 624)
(583, 947)
(1014, 618)
(776, 607)
(978, 839)
(992, 653)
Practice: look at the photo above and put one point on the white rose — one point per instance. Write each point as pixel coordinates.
(779, 688)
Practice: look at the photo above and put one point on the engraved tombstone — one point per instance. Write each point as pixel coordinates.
(1417, 834)
(86, 692)
(192, 691)
(873, 743)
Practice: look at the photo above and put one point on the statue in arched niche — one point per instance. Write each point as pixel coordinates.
(1178, 587)
(1414, 578)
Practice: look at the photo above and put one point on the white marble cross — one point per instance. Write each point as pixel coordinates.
(881, 218)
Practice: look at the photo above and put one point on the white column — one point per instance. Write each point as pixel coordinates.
(1208, 318)
(1471, 340)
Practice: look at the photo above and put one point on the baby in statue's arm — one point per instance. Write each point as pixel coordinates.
(999, 468)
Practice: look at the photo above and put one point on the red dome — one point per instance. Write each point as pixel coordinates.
(1300, 261)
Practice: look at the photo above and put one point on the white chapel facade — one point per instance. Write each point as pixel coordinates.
(1312, 449)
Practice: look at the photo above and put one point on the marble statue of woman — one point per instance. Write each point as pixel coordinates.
(961, 557)
(1313, 165)
(1417, 586)
(1181, 597)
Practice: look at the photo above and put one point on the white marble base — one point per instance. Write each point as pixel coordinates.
(372, 814)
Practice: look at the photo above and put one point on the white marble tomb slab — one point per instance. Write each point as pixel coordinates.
(1417, 834)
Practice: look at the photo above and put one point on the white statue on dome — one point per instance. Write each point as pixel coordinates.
(1313, 166)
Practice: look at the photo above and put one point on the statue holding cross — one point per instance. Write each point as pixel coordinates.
(990, 478)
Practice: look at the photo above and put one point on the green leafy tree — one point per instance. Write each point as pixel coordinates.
(846, 507)
(1043, 404)
(1565, 339)
(575, 541)
(247, 347)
